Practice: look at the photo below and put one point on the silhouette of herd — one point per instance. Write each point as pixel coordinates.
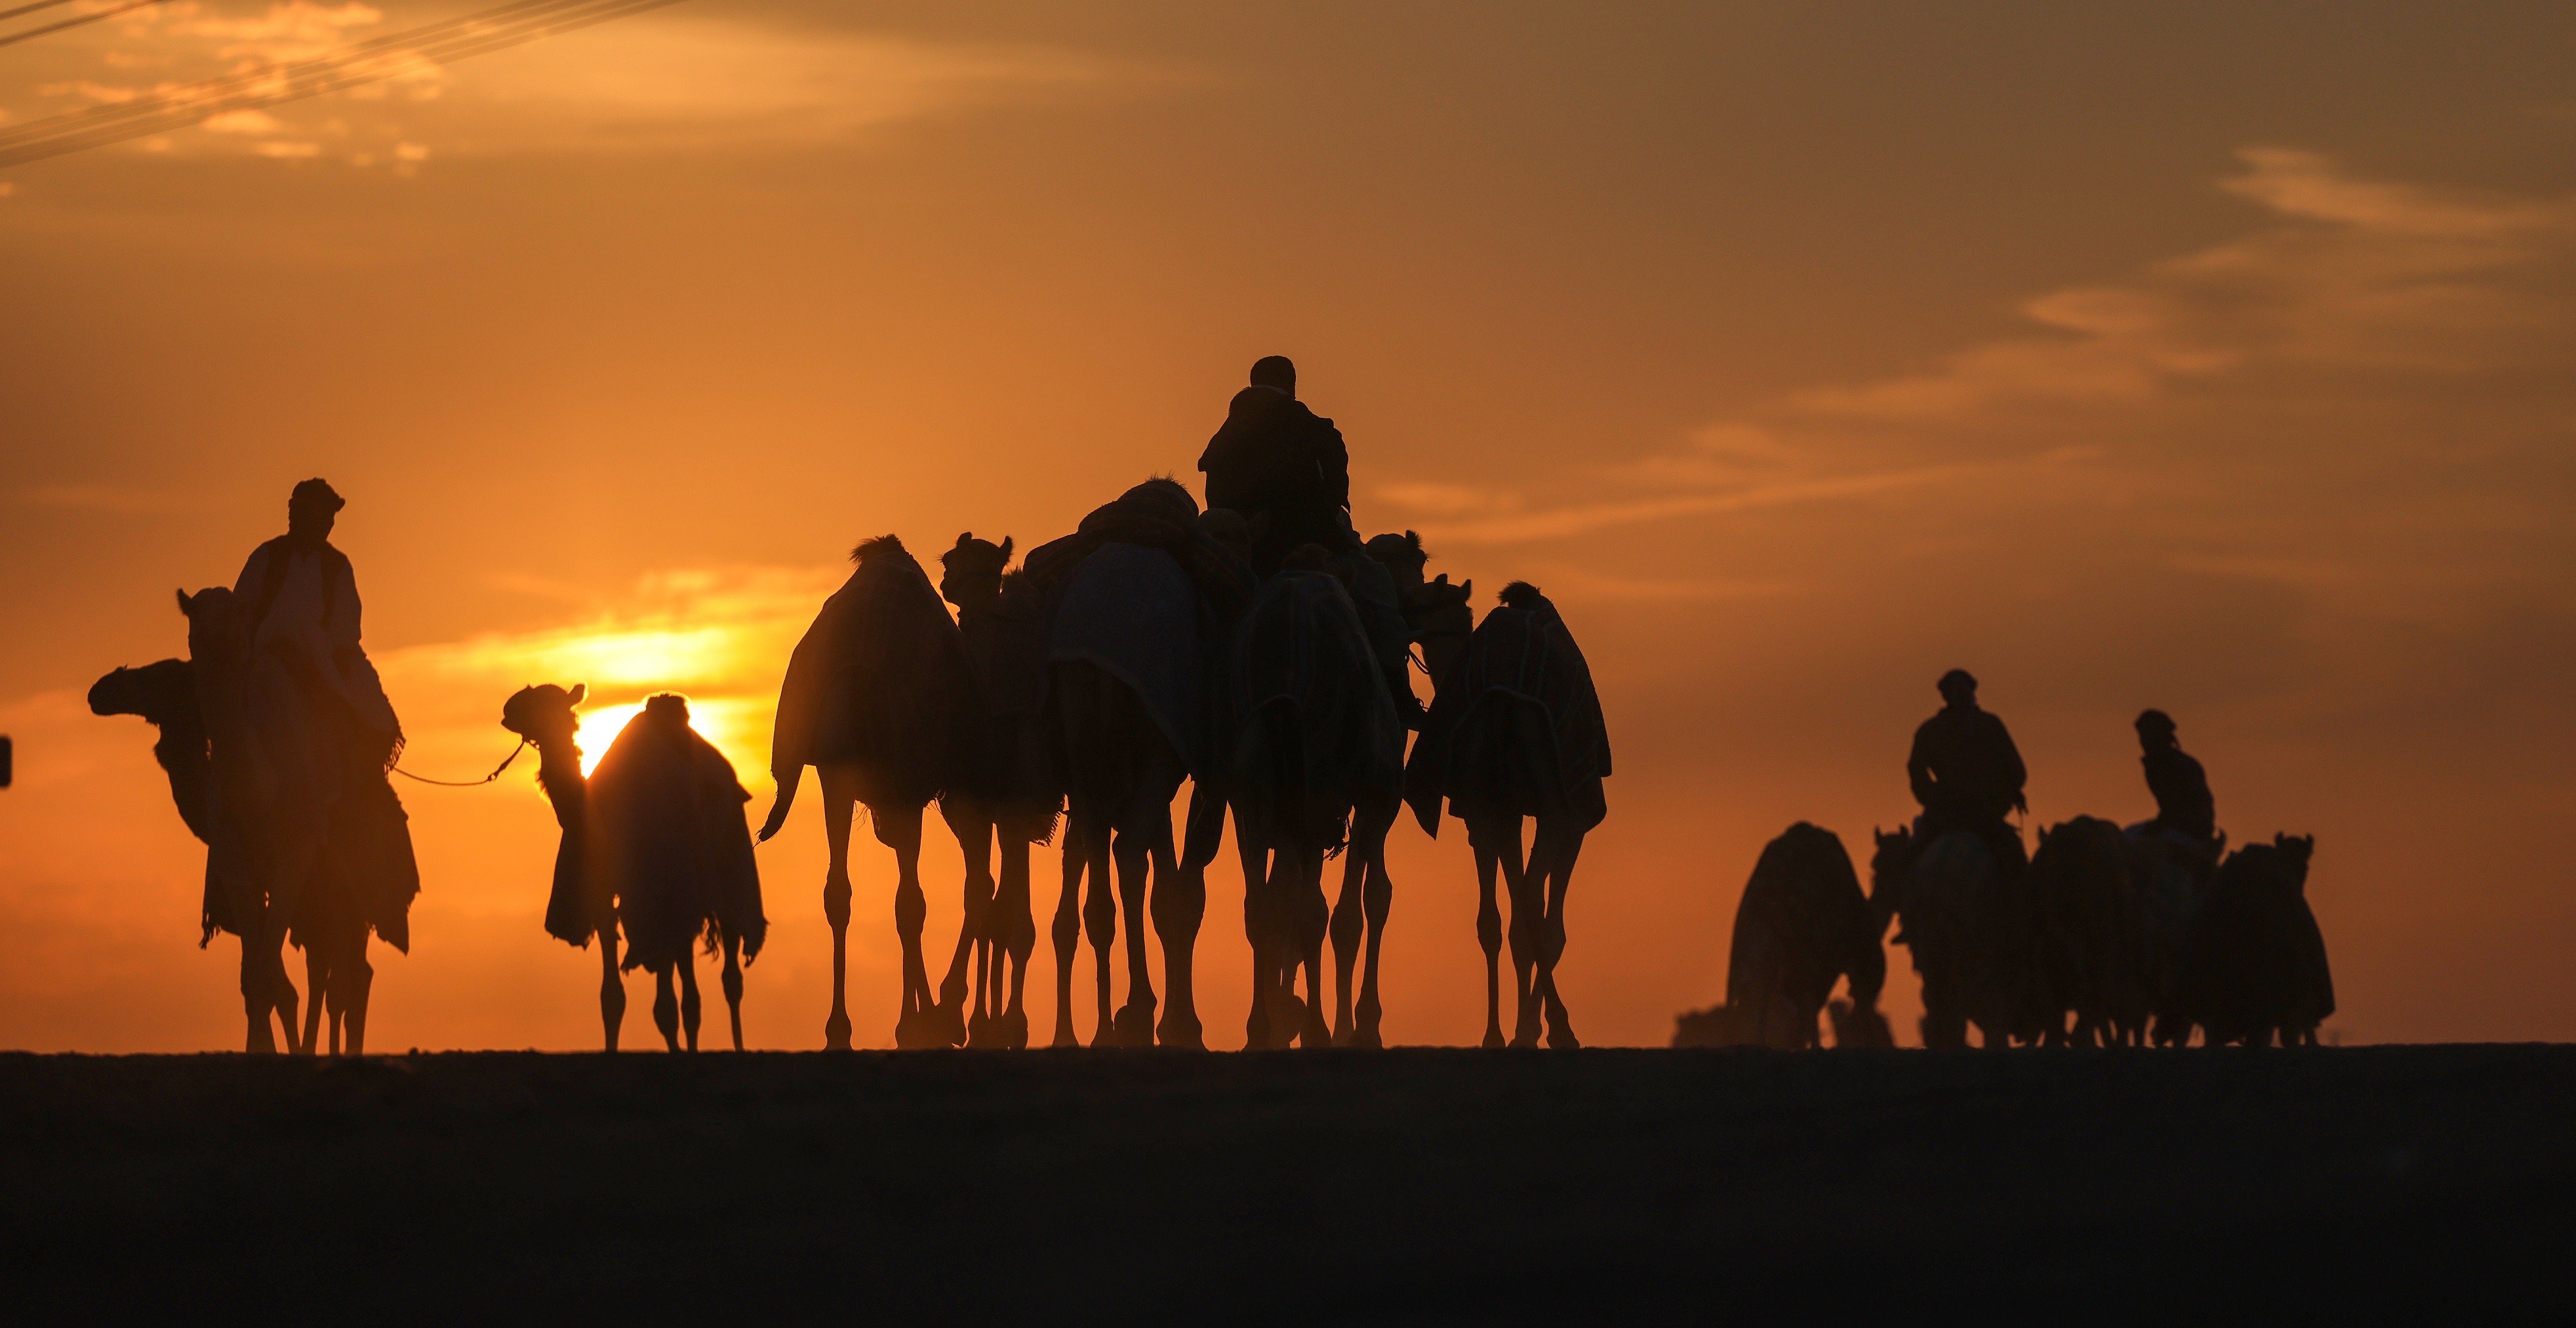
(1259, 651)
(2107, 938)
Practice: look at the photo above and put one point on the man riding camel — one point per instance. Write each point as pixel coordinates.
(2184, 806)
(1285, 471)
(1968, 775)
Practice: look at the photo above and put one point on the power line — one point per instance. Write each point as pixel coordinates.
(32, 33)
(366, 62)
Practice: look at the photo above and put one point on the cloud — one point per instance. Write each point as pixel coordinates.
(104, 498)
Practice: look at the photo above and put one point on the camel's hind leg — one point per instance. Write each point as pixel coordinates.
(973, 827)
(1099, 920)
(733, 985)
(840, 803)
(1014, 938)
(1309, 919)
(352, 978)
(612, 985)
(899, 828)
(317, 981)
(1346, 930)
(1261, 935)
(1560, 847)
(1067, 931)
(688, 966)
(1137, 849)
(1489, 934)
(1180, 905)
(1377, 897)
(666, 1008)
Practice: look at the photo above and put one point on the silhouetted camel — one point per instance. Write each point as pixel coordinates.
(583, 903)
(1315, 764)
(2254, 965)
(300, 845)
(1802, 925)
(1967, 938)
(2171, 873)
(1012, 791)
(1436, 612)
(879, 698)
(2091, 965)
(1516, 731)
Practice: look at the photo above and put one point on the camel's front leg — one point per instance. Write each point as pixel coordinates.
(1100, 923)
(1377, 898)
(1262, 936)
(1311, 920)
(317, 981)
(1347, 930)
(1138, 847)
(1014, 938)
(1489, 934)
(1067, 930)
(1521, 882)
(688, 967)
(899, 828)
(733, 985)
(1561, 848)
(974, 831)
(840, 800)
(612, 984)
(1180, 904)
(352, 977)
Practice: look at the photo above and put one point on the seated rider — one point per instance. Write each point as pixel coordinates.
(2183, 804)
(1282, 466)
(1968, 775)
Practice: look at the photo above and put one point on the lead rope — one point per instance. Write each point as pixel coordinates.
(468, 783)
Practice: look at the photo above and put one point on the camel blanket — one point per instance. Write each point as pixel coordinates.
(1131, 611)
(881, 680)
(1528, 654)
(1302, 643)
(667, 826)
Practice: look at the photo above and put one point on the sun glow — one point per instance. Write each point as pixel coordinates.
(736, 725)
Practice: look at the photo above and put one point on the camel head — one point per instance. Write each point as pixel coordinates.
(1403, 558)
(1887, 866)
(543, 714)
(2295, 852)
(158, 692)
(215, 628)
(970, 575)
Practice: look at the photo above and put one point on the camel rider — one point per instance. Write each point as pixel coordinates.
(2183, 804)
(301, 609)
(1967, 774)
(1280, 465)
(1285, 470)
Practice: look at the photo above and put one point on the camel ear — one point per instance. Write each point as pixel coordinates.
(964, 538)
(183, 600)
(1006, 549)
(579, 690)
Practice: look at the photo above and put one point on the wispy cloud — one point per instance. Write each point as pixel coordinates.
(105, 498)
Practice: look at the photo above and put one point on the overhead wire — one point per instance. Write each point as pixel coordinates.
(365, 62)
(31, 34)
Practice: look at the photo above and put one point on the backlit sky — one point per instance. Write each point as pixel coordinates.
(2210, 357)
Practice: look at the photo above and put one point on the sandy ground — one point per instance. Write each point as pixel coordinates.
(1397, 1186)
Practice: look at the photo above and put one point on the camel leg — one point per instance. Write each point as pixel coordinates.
(1563, 847)
(1015, 938)
(1312, 920)
(688, 967)
(317, 980)
(733, 985)
(1489, 934)
(351, 979)
(1521, 883)
(1099, 922)
(840, 799)
(899, 828)
(1377, 898)
(1258, 933)
(974, 831)
(612, 985)
(1346, 930)
(1067, 931)
(666, 1008)
(1180, 905)
(1136, 849)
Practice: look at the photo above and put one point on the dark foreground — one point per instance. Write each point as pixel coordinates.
(1401, 1186)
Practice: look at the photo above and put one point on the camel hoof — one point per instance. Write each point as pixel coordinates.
(1181, 1029)
(1011, 1032)
(1134, 1026)
(836, 1033)
(950, 1022)
(979, 1030)
(1494, 1039)
(921, 1030)
(1562, 1038)
(1365, 1038)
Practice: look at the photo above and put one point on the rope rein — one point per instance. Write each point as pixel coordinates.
(466, 783)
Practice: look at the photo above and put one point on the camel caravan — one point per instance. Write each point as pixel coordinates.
(2104, 937)
(1258, 650)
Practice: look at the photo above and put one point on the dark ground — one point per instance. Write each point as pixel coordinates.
(1405, 1185)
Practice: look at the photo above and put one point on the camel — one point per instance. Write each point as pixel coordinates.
(583, 904)
(880, 699)
(1515, 732)
(2254, 965)
(1802, 926)
(1948, 902)
(653, 840)
(2172, 873)
(1315, 766)
(1140, 598)
(301, 845)
(2088, 962)
(1012, 793)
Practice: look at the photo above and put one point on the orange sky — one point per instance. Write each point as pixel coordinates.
(2126, 355)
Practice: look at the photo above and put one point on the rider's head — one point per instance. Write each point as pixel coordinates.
(1275, 371)
(1959, 687)
(312, 510)
(2155, 729)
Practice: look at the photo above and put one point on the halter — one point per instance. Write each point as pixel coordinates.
(466, 783)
